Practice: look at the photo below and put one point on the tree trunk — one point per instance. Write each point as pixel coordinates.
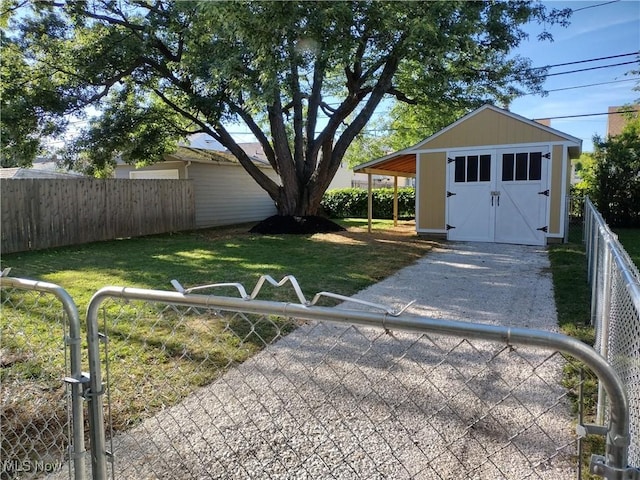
(307, 203)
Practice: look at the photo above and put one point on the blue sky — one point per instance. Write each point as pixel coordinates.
(595, 32)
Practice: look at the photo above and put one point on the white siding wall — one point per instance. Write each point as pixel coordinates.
(343, 178)
(226, 195)
(124, 170)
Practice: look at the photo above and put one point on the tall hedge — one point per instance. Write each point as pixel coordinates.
(352, 203)
(614, 180)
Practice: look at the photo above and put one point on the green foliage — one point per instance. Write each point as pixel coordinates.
(138, 131)
(613, 181)
(353, 202)
(630, 240)
(280, 69)
(366, 147)
(30, 104)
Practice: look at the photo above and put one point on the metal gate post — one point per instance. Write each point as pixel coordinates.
(603, 330)
(77, 450)
(94, 395)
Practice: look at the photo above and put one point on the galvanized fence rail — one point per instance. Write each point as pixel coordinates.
(41, 407)
(236, 387)
(615, 314)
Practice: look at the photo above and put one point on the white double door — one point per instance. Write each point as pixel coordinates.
(499, 195)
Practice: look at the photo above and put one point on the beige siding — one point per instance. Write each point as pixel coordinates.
(489, 127)
(431, 184)
(555, 202)
(226, 195)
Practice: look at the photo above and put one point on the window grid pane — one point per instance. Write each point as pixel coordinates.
(460, 169)
(535, 166)
(472, 168)
(522, 165)
(485, 168)
(507, 167)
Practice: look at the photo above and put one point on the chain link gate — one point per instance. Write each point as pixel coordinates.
(41, 412)
(229, 387)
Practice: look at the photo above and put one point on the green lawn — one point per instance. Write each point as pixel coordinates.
(630, 240)
(170, 353)
(342, 263)
(178, 352)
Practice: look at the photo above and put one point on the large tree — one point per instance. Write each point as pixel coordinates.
(303, 77)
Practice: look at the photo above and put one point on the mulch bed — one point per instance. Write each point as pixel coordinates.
(278, 224)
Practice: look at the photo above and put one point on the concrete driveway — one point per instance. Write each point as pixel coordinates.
(338, 401)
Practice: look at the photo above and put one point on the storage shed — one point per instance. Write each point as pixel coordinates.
(491, 176)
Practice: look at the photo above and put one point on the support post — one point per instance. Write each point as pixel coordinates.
(395, 200)
(370, 201)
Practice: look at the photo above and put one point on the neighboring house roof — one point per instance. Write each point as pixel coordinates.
(18, 172)
(403, 162)
(204, 142)
(201, 155)
(42, 167)
(208, 156)
(616, 121)
(254, 150)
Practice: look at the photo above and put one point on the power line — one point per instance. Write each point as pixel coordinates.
(587, 69)
(587, 85)
(589, 60)
(594, 6)
(588, 115)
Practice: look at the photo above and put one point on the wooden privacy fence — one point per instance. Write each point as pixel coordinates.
(44, 213)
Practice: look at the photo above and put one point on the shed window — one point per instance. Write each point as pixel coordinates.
(485, 168)
(460, 169)
(535, 165)
(472, 168)
(507, 167)
(521, 167)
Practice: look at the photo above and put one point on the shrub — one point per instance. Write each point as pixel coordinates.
(352, 202)
(614, 179)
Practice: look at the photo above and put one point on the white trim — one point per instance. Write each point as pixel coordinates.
(417, 194)
(432, 230)
(415, 149)
(566, 163)
(160, 174)
(496, 146)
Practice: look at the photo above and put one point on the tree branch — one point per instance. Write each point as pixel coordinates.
(401, 96)
(259, 134)
(222, 135)
(114, 21)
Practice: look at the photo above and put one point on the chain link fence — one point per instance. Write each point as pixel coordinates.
(41, 415)
(224, 387)
(574, 227)
(186, 385)
(615, 314)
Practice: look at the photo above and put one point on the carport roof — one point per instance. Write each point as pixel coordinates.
(402, 164)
